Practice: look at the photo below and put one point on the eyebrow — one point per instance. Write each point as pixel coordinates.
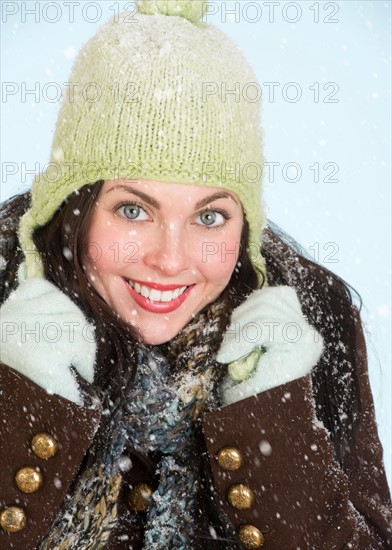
(152, 202)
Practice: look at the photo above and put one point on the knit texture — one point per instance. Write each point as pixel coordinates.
(43, 332)
(155, 96)
(189, 9)
(158, 415)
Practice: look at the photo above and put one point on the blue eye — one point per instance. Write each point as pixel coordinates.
(133, 211)
(212, 218)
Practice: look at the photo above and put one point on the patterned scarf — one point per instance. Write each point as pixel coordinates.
(158, 415)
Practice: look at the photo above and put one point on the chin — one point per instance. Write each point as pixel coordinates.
(161, 333)
(157, 340)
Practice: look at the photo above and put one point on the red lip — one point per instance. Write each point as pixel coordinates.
(158, 307)
(156, 286)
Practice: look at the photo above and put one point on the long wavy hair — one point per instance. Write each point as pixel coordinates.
(326, 300)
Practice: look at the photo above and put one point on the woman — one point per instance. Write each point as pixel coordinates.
(167, 381)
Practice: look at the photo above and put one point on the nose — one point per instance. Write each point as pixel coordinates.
(168, 253)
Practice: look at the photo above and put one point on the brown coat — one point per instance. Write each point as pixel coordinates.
(303, 499)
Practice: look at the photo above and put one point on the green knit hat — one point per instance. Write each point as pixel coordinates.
(156, 95)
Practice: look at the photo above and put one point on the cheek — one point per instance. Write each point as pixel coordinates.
(101, 246)
(111, 248)
(218, 258)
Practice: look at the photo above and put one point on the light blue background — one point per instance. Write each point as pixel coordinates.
(352, 213)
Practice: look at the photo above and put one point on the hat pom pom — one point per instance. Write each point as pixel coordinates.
(193, 10)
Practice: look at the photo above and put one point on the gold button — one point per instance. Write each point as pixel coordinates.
(29, 479)
(230, 459)
(44, 445)
(250, 536)
(240, 496)
(12, 519)
(139, 497)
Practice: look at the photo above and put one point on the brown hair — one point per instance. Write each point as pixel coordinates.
(327, 301)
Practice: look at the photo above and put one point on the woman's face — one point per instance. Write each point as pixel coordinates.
(160, 252)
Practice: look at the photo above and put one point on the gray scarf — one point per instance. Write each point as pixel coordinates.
(159, 414)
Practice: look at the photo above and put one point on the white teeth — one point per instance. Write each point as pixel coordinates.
(144, 291)
(176, 293)
(157, 295)
(166, 296)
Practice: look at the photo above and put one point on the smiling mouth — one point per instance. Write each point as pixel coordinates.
(156, 295)
(158, 300)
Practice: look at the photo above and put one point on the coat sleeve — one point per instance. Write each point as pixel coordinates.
(27, 410)
(302, 498)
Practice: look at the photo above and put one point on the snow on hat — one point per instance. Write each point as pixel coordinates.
(155, 96)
